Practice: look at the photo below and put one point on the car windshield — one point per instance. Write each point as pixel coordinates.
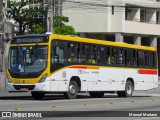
(28, 59)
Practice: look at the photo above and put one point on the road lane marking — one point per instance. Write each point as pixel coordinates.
(85, 104)
(55, 106)
(18, 109)
(112, 103)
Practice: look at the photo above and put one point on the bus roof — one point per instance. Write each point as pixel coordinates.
(102, 42)
(32, 35)
(88, 40)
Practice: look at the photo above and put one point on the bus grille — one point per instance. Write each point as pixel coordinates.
(18, 87)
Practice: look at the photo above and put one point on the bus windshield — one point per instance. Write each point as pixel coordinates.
(27, 59)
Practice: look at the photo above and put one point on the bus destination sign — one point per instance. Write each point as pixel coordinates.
(21, 40)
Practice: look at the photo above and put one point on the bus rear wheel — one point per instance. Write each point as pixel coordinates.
(129, 88)
(37, 95)
(96, 94)
(72, 90)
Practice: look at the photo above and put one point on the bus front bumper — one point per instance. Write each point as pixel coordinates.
(45, 86)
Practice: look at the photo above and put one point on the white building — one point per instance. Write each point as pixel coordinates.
(130, 21)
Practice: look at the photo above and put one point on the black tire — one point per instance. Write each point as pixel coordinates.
(72, 90)
(96, 94)
(129, 88)
(37, 95)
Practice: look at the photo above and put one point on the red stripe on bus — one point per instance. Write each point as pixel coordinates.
(84, 67)
(148, 72)
(80, 67)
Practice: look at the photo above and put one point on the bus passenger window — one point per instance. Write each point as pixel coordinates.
(102, 55)
(130, 58)
(58, 55)
(107, 54)
(111, 59)
(91, 59)
(61, 55)
(145, 59)
(84, 53)
(151, 60)
(73, 53)
(117, 55)
(141, 59)
(71, 58)
(89, 54)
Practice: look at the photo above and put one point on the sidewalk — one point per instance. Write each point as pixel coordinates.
(2, 81)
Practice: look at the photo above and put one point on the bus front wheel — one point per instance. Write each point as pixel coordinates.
(72, 90)
(129, 88)
(37, 95)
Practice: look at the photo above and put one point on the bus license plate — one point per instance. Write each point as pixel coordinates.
(24, 89)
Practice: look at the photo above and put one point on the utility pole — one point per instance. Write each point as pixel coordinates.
(1, 34)
(6, 33)
(2, 75)
(54, 8)
(59, 7)
(50, 15)
(1, 10)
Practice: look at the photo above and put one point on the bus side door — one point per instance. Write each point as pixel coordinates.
(58, 56)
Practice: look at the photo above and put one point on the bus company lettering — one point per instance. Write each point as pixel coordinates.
(15, 114)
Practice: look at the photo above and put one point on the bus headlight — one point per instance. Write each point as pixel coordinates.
(7, 79)
(43, 78)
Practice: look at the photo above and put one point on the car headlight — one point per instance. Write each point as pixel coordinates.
(43, 78)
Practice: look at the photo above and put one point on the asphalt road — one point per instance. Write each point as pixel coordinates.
(109, 105)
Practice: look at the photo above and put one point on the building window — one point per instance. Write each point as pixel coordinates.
(142, 15)
(110, 38)
(127, 14)
(129, 39)
(112, 10)
(158, 17)
(145, 41)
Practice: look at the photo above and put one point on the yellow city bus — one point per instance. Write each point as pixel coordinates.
(43, 64)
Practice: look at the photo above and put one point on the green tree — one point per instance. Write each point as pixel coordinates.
(37, 28)
(59, 21)
(25, 15)
(61, 28)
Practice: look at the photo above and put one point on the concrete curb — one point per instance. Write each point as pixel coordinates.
(2, 81)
